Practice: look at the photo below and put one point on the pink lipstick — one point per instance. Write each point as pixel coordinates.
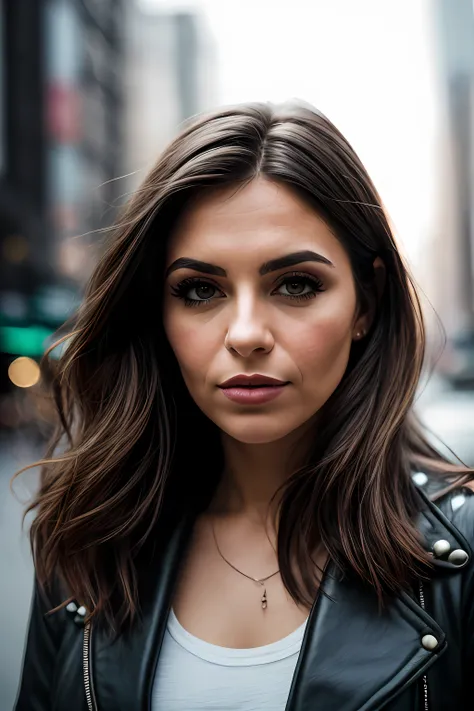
(252, 389)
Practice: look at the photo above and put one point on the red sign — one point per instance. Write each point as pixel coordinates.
(63, 113)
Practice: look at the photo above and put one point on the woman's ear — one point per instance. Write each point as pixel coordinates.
(364, 320)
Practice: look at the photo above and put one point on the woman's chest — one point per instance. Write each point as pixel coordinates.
(217, 603)
(192, 674)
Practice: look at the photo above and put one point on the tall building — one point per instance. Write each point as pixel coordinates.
(171, 75)
(62, 68)
(85, 67)
(25, 244)
(452, 257)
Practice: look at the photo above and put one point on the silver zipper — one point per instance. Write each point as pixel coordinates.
(86, 649)
(425, 679)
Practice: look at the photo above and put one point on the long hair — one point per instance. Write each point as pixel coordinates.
(134, 450)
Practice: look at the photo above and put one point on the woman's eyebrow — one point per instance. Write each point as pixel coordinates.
(197, 265)
(288, 260)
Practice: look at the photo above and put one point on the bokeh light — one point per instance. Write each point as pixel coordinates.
(24, 372)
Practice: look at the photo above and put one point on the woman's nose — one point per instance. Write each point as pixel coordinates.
(248, 330)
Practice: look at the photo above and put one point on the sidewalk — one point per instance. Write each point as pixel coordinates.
(449, 414)
(16, 570)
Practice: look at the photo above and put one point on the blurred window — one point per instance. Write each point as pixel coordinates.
(63, 41)
(2, 90)
(65, 175)
(103, 12)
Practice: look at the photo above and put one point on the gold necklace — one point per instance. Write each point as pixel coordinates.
(260, 581)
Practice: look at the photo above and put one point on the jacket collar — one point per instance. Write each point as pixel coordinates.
(435, 526)
(346, 635)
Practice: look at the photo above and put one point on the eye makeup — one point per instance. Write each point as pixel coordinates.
(196, 291)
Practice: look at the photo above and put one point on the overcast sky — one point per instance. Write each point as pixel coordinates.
(368, 64)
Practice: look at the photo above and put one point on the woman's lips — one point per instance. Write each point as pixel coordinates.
(253, 395)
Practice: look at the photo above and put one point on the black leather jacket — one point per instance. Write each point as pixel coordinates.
(352, 658)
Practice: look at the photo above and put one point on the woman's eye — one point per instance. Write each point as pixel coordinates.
(294, 288)
(299, 287)
(202, 292)
(194, 292)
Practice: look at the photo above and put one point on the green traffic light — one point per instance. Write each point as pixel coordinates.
(25, 340)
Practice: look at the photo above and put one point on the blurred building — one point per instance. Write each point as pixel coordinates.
(451, 263)
(61, 109)
(171, 75)
(85, 64)
(90, 90)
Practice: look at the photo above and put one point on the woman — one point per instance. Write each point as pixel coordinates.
(242, 515)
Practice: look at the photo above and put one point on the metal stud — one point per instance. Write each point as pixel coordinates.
(457, 501)
(72, 607)
(420, 478)
(458, 557)
(429, 642)
(82, 611)
(441, 548)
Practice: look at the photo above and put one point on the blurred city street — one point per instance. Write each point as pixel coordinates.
(90, 93)
(16, 575)
(449, 415)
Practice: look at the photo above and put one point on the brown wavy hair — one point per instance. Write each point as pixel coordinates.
(131, 449)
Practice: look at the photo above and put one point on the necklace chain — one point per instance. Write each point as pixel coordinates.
(260, 581)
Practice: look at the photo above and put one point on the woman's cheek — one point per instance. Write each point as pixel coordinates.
(191, 346)
(322, 346)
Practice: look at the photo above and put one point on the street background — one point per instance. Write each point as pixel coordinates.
(91, 90)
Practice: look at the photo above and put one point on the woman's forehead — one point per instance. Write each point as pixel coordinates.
(259, 218)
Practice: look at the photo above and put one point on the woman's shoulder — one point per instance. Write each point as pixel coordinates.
(461, 510)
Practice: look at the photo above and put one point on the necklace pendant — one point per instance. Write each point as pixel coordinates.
(264, 600)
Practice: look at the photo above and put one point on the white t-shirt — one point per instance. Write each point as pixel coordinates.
(194, 675)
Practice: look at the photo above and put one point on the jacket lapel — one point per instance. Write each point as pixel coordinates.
(124, 669)
(355, 658)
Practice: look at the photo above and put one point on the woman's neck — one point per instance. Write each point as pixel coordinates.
(253, 473)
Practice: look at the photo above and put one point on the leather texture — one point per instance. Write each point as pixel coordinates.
(353, 657)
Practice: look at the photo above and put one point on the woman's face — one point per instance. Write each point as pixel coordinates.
(257, 285)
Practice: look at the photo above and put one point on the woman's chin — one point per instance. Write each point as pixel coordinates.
(251, 433)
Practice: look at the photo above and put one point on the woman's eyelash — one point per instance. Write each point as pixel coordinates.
(183, 286)
(182, 289)
(316, 285)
